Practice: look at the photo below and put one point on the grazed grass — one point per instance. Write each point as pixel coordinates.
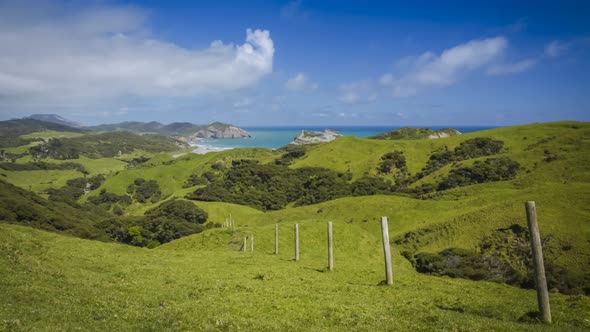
(117, 287)
(203, 282)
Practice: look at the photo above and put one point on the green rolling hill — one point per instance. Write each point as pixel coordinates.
(457, 229)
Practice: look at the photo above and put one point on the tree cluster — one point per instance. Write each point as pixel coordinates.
(169, 221)
(471, 148)
(273, 187)
(143, 190)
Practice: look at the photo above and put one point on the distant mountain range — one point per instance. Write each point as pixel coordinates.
(182, 130)
(185, 131)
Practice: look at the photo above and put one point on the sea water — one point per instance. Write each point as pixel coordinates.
(276, 137)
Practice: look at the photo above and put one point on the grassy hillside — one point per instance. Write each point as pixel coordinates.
(117, 287)
(202, 281)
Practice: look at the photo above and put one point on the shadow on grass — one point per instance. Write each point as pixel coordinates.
(317, 270)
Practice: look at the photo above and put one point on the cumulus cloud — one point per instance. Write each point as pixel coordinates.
(512, 68)
(300, 82)
(431, 70)
(556, 48)
(106, 51)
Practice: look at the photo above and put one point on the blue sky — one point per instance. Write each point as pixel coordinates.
(297, 62)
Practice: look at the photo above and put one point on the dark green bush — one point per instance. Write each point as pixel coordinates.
(395, 159)
(178, 210)
(195, 180)
(478, 147)
(74, 189)
(493, 169)
(144, 190)
(272, 187)
(469, 149)
(109, 198)
(287, 158)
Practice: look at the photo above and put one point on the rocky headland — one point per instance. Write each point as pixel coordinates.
(313, 137)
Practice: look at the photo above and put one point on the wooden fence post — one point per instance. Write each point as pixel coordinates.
(540, 279)
(330, 248)
(245, 244)
(276, 239)
(296, 242)
(252, 243)
(386, 251)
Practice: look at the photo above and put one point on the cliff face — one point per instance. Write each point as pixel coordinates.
(447, 132)
(220, 130)
(312, 137)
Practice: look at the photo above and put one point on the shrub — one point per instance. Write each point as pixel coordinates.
(478, 147)
(143, 190)
(195, 180)
(109, 198)
(395, 159)
(287, 158)
(493, 169)
(178, 210)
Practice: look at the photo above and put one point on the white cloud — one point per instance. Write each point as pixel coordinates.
(386, 79)
(431, 70)
(511, 68)
(357, 92)
(556, 48)
(106, 52)
(300, 82)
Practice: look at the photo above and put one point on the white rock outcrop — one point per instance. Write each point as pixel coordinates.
(312, 137)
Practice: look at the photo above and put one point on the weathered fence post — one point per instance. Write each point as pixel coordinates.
(540, 279)
(245, 243)
(386, 251)
(276, 239)
(252, 243)
(296, 242)
(330, 248)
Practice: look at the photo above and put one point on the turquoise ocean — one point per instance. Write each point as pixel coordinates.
(276, 137)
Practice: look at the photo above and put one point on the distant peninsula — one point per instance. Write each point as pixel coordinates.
(409, 133)
(184, 131)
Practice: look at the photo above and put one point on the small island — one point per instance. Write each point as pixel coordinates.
(313, 137)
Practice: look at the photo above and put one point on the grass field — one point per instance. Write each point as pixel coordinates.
(214, 287)
(203, 282)
(40, 181)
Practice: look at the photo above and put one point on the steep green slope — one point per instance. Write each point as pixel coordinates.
(26, 208)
